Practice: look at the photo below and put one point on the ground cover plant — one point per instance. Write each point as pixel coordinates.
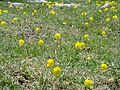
(46, 47)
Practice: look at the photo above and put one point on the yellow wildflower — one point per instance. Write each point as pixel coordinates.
(103, 33)
(107, 19)
(15, 19)
(3, 23)
(57, 71)
(86, 36)
(41, 42)
(24, 13)
(88, 83)
(86, 23)
(115, 17)
(79, 45)
(21, 42)
(103, 67)
(53, 12)
(50, 63)
(91, 19)
(37, 29)
(57, 36)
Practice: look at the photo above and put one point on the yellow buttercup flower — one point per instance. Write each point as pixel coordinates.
(50, 63)
(75, 7)
(27, 5)
(112, 8)
(35, 11)
(91, 19)
(106, 9)
(103, 33)
(86, 36)
(100, 11)
(53, 12)
(5, 11)
(107, 19)
(83, 14)
(57, 36)
(21, 8)
(79, 45)
(37, 29)
(88, 83)
(16, 7)
(33, 14)
(103, 67)
(0, 10)
(57, 71)
(3, 23)
(41, 42)
(0, 13)
(21, 42)
(15, 19)
(115, 17)
(86, 23)
(24, 13)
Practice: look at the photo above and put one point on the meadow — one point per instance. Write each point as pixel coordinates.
(47, 47)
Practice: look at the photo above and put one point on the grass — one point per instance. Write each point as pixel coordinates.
(23, 68)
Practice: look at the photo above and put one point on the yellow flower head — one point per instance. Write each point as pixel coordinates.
(35, 11)
(107, 19)
(91, 19)
(100, 11)
(83, 14)
(57, 71)
(33, 14)
(103, 33)
(16, 7)
(41, 42)
(21, 8)
(86, 24)
(27, 5)
(50, 63)
(79, 45)
(115, 17)
(88, 83)
(15, 19)
(0, 10)
(57, 36)
(86, 36)
(37, 29)
(21, 42)
(112, 8)
(3, 23)
(75, 7)
(0, 13)
(103, 67)
(106, 9)
(24, 13)
(53, 12)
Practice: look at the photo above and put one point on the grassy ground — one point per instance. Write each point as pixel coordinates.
(24, 68)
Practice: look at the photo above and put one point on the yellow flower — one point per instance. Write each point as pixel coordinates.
(86, 36)
(24, 13)
(37, 29)
(35, 11)
(91, 19)
(100, 11)
(0, 13)
(41, 42)
(21, 42)
(57, 36)
(86, 24)
(107, 19)
(106, 9)
(88, 83)
(75, 7)
(83, 14)
(0, 10)
(79, 45)
(33, 14)
(103, 67)
(16, 7)
(103, 33)
(115, 17)
(53, 12)
(50, 63)
(112, 8)
(15, 19)
(5, 11)
(21, 8)
(57, 71)
(3, 23)
(27, 5)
